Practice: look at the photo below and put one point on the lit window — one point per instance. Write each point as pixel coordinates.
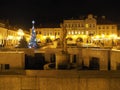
(82, 33)
(69, 32)
(86, 25)
(72, 32)
(75, 32)
(87, 32)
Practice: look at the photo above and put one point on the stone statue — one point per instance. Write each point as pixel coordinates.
(63, 39)
(62, 57)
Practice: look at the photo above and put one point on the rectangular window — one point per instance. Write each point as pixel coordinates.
(39, 32)
(4, 66)
(89, 25)
(99, 27)
(82, 25)
(0, 66)
(75, 32)
(74, 59)
(107, 27)
(52, 58)
(7, 66)
(113, 27)
(103, 27)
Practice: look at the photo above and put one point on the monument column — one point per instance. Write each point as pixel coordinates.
(62, 57)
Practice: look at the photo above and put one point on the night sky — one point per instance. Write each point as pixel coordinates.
(21, 12)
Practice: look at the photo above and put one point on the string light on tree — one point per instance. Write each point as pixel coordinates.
(33, 41)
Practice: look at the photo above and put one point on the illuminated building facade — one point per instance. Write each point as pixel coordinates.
(81, 28)
(90, 28)
(10, 37)
(3, 35)
(44, 34)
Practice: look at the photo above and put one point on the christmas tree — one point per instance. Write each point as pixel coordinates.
(33, 42)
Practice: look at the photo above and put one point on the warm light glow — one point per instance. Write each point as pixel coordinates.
(75, 32)
(69, 32)
(9, 37)
(18, 38)
(52, 37)
(0, 36)
(82, 32)
(118, 37)
(103, 36)
(84, 36)
(44, 37)
(86, 32)
(74, 37)
(86, 25)
(97, 37)
(113, 36)
(72, 32)
(20, 32)
(92, 37)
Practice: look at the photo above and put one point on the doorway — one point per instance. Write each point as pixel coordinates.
(94, 63)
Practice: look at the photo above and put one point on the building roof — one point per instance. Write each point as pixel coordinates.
(104, 20)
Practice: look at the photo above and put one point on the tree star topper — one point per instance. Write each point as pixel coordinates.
(33, 22)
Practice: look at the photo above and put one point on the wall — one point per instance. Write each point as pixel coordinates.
(61, 80)
(115, 59)
(15, 59)
(103, 55)
(83, 55)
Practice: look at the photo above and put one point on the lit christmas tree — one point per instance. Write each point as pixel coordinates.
(33, 42)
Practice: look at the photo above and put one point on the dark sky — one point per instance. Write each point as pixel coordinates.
(22, 12)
